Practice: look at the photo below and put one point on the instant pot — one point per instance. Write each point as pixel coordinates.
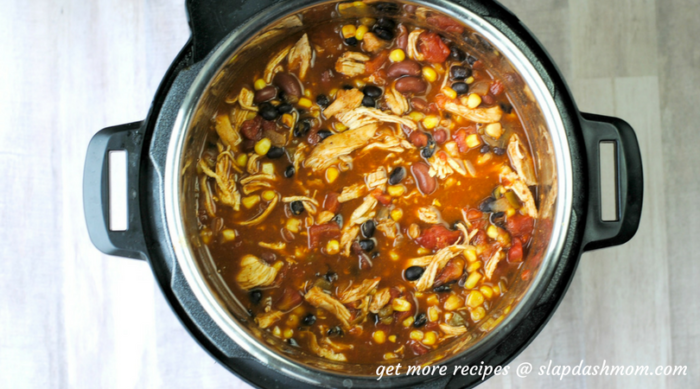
(161, 189)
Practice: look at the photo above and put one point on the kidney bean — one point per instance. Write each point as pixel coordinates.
(265, 94)
(419, 104)
(488, 99)
(403, 68)
(426, 184)
(402, 37)
(418, 138)
(440, 136)
(252, 129)
(411, 85)
(289, 84)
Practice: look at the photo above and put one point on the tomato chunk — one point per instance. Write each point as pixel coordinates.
(520, 225)
(383, 198)
(437, 237)
(433, 48)
(377, 62)
(290, 298)
(319, 232)
(515, 253)
(331, 202)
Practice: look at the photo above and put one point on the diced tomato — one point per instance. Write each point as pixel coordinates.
(319, 232)
(460, 138)
(394, 292)
(380, 77)
(433, 48)
(525, 275)
(331, 202)
(520, 225)
(290, 298)
(417, 348)
(445, 23)
(479, 238)
(478, 65)
(377, 62)
(473, 214)
(252, 129)
(385, 199)
(497, 88)
(515, 253)
(437, 237)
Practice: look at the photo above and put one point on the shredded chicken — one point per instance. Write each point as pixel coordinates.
(387, 227)
(229, 135)
(309, 203)
(255, 272)
(376, 179)
(319, 299)
(351, 63)
(396, 101)
(452, 331)
(412, 46)
(371, 43)
(273, 66)
(477, 115)
(268, 318)
(260, 218)
(257, 177)
(358, 292)
(362, 116)
(364, 212)
(325, 352)
(345, 100)
(347, 236)
(245, 99)
(492, 264)
(300, 56)
(273, 246)
(389, 142)
(352, 192)
(299, 156)
(380, 300)
(512, 181)
(328, 151)
(324, 217)
(437, 262)
(209, 204)
(253, 165)
(225, 179)
(337, 347)
(429, 215)
(364, 310)
(443, 167)
(521, 161)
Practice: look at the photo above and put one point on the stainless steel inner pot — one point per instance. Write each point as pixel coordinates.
(530, 96)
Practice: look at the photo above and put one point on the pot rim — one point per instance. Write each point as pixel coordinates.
(217, 59)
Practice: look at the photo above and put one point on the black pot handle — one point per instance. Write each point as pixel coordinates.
(129, 243)
(630, 181)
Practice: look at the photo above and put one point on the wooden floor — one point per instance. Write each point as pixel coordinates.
(73, 318)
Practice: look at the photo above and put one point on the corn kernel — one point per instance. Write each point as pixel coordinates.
(432, 300)
(478, 314)
(206, 235)
(394, 256)
(392, 338)
(439, 68)
(368, 21)
(429, 74)
(475, 299)
(449, 92)
(496, 290)
(433, 314)
(470, 253)
(332, 247)
(332, 174)
(288, 333)
(389, 356)
(430, 338)
(492, 231)
(228, 235)
(349, 31)
(494, 130)
(469, 80)
(360, 32)
(473, 141)
(396, 190)
(473, 100)
(259, 84)
(486, 291)
(416, 116)
(251, 115)
(431, 121)
(304, 102)
(396, 214)
(293, 225)
(242, 159)
(474, 266)
(292, 320)
(359, 84)
(423, 251)
(408, 321)
(453, 302)
(416, 335)
(250, 201)
(483, 158)
(359, 4)
(268, 195)
(278, 265)
(268, 168)
(379, 337)
(397, 55)
(276, 331)
(340, 127)
(472, 280)
(263, 146)
(401, 305)
(510, 212)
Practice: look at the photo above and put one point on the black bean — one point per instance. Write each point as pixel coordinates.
(367, 245)
(368, 102)
(420, 321)
(372, 91)
(335, 331)
(397, 175)
(460, 87)
(387, 23)
(352, 41)
(302, 128)
(275, 152)
(297, 207)
(285, 108)
(485, 205)
(368, 228)
(471, 60)
(323, 101)
(375, 255)
(331, 276)
(413, 273)
(348, 87)
(268, 111)
(323, 134)
(428, 150)
(289, 171)
(442, 288)
(457, 54)
(255, 296)
(384, 33)
(499, 150)
(309, 319)
(292, 342)
(484, 149)
(338, 219)
(459, 72)
(390, 8)
(507, 108)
